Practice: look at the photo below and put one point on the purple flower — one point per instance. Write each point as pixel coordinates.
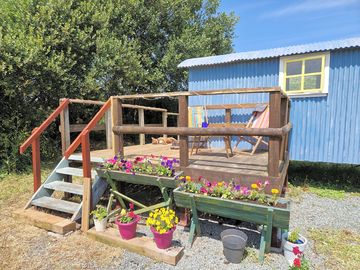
(237, 187)
(162, 163)
(208, 184)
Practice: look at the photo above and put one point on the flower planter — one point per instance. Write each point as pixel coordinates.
(142, 179)
(268, 216)
(127, 230)
(100, 225)
(289, 246)
(163, 241)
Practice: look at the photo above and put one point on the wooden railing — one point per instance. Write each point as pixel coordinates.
(34, 141)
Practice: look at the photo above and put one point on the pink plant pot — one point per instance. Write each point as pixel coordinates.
(127, 230)
(163, 241)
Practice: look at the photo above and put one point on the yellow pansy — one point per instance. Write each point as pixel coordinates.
(254, 186)
(274, 191)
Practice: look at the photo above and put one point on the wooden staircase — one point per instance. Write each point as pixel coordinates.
(42, 198)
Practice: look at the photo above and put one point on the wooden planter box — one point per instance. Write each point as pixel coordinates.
(142, 179)
(268, 216)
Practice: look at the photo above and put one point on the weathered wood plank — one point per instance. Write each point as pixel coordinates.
(65, 187)
(45, 221)
(86, 205)
(142, 245)
(80, 127)
(56, 204)
(65, 129)
(141, 124)
(73, 171)
(117, 120)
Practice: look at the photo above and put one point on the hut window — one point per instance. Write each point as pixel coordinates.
(304, 74)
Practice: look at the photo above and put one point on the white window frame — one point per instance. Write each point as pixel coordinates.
(325, 82)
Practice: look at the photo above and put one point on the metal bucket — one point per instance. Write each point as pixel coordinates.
(234, 243)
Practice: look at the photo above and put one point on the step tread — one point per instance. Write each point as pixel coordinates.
(65, 187)
(56, 204)
(92, 159)
(74, 171)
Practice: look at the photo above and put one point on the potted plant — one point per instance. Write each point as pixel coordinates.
(100, 218)
(162, 224)
(290, 241)
(299, 263)
(127, 222)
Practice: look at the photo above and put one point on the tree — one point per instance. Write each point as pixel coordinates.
(51, 49)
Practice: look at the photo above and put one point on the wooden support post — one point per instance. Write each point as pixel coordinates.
(65, 129)
(183, 122)
(284, 112)
(164, 121)
(141, 124)
(86, 205)
(35, 145)
(108, 129)
(117, 120)
(269, 229)
(85, 150)
(274, 142)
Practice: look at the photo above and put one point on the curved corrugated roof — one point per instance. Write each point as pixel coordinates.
(270, 53)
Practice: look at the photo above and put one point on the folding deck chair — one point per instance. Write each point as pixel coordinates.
(259, 119)
(198, 142)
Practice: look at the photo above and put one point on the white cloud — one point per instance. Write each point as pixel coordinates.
(310, 5)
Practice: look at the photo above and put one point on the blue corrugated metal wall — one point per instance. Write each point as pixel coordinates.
(325, 129)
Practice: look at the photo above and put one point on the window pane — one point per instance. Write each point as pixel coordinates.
(312, 82)
(313, 65)
(293, 68)
(293, 84)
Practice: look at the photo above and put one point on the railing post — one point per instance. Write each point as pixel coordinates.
(86, 204)
(35, 145)
(227, 116)
(284, 120)
(117, 120)
(141, 124)
(108, 129)
(65, 129)
(183, 122)
(164, 121)
(274, 142)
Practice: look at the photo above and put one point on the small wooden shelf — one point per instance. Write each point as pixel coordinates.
(142, 245)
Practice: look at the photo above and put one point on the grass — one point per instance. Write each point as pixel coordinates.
(341, 248)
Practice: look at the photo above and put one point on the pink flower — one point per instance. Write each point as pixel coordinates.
(164, 158)
(127, 171)
(244, 191)
(297, 262)
(131, 206)
(296, 250)
(267, 183)
(203, 190)
(128, 165)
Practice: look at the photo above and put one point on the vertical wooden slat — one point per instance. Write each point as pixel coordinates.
(117, 120)
(183, 122)
(65, 129)
(141, 124)
(228, 116)
(164, 121)
(35, 145)
(274, 142)
(108, 130)
(86, 204)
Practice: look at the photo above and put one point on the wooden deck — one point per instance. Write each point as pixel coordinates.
(207, 159)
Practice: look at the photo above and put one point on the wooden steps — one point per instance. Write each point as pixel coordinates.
(142, 245)
(65, 187)
(92, 160)
(74, 171)
(56, 204)
(45, 221)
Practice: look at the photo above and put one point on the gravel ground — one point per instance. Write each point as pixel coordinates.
(311, 211)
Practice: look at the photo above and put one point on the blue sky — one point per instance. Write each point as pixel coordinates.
(268, 24)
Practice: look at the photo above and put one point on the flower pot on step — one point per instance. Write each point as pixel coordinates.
(128, 230)
(163, 241)
(100, 225)
(289, 246)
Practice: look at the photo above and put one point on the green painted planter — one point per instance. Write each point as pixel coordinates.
(268, 216)
(142, 179)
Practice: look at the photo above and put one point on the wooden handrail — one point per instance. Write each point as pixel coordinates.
(216, 131)
(43, 126)
(90, 126)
